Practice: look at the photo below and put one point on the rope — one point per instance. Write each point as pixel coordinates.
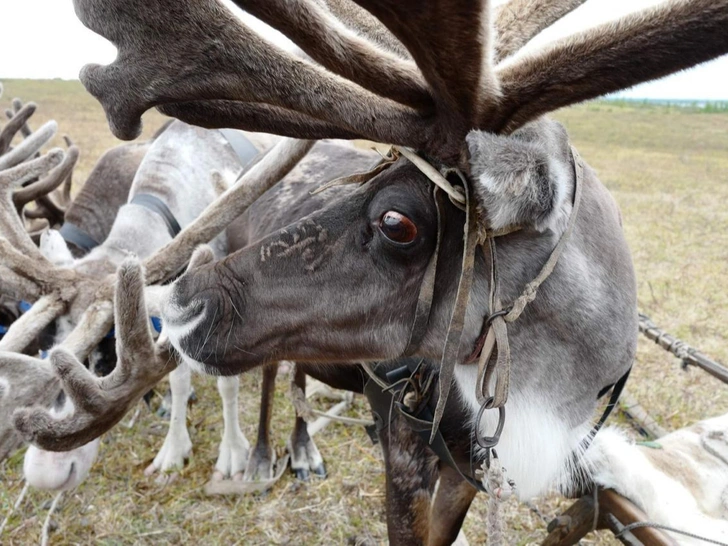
(639, 524)
(499, 490)
(433, 174)
(308, 414)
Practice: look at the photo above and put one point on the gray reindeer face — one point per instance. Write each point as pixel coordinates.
(341, 283)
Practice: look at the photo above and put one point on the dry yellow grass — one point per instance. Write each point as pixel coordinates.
(669, 171)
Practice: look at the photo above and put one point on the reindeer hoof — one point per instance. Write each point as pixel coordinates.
(306, 459)
(320, 470)
(261, 465)
(166, 478)
(302, 474)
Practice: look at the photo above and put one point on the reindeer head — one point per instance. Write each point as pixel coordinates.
(440, 77)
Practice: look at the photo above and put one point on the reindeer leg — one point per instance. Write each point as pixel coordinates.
(411, 471)
(449, 507)
(234, 447)
(177, 444)
(262, 458)
(305, 456)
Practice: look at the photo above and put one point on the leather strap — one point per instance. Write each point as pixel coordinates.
(383, 399)
(155, 204)
(613, 400)
(73, 234)
(495, 328)
(457, 318)
(427, 289)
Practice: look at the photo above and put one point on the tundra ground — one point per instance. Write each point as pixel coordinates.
(668, 169)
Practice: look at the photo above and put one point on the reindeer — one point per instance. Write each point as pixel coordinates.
(682, 482)
(119, 165)
(460, 104)
(139, 228)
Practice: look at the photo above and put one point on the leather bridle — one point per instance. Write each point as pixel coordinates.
(410, 388)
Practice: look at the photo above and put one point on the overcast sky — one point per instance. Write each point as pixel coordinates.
(43, 39)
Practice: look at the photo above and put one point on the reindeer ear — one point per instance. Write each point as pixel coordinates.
(54, 248)
(522, 179)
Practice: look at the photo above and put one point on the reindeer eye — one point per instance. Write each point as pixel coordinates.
(397, 227)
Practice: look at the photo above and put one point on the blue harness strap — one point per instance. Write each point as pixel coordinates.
(73, 234)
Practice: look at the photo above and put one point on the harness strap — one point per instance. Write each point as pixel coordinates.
(427, 290)
(456, 196)
(457, 318)
(613, 400)
(382, 398)
(155, 204)
(73, 234)
(495, 328)
(243, 148)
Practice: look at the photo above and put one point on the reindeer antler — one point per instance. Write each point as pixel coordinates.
(429, 103)
(18, 122)
(29, 274)
(48, 184)
(100, 403)
(641, 46)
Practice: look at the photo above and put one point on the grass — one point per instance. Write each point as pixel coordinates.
(668, 169)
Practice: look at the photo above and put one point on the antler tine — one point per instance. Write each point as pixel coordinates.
(46, 185)
(519, 21)
(257, 117)
(100, 403)
(231, 204)
(16, 123)
(450, 42)
(16, 286)
(29, 146)
(637, 48)
(137, 80)
(314, 29)
(361, 21)
(27, 381)
(23, 331)
(68, 183)
(25, 129)
(11, 226)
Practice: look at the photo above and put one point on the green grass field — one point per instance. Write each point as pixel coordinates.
(667, 168)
